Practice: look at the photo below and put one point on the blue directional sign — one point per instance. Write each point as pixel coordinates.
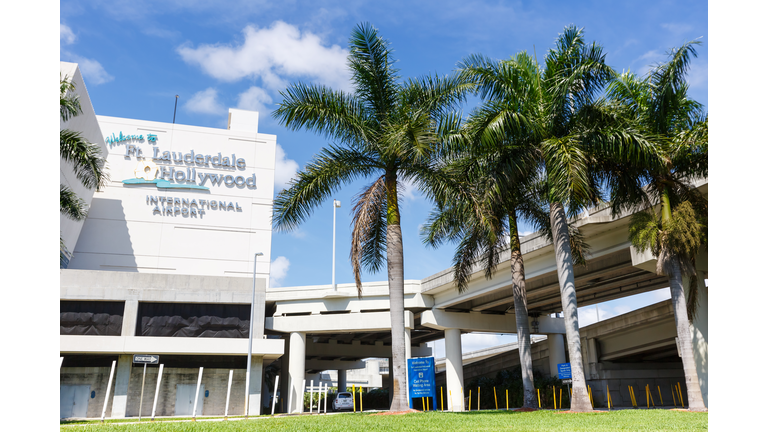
(564, 370)
(421, 379)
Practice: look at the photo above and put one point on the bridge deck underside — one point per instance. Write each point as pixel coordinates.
(607, 277)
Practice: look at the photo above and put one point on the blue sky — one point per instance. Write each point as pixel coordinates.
(137, 55)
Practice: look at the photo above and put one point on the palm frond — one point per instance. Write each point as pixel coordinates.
(326, 173)
(329, 113)
(85, 158)
(70, 205)
(373, 72)
(369, 231)
(69, 102)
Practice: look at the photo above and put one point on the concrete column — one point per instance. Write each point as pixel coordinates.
(296, 371)
(454, 369)
(122, 376)
(556, 348)
(407, 344)
(342, 380)
(254, 396)
(130, 315)
(284, 379)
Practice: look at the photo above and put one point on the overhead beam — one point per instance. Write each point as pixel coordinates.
(478, 322)
(337, 323)
(358, 351)
(333, 365)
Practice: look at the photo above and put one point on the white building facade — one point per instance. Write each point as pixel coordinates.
(164, 265)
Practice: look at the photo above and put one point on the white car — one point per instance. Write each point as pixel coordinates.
(343, 401)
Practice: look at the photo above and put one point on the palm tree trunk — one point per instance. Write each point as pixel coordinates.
(395, 273)
(521, 314)
(695, 400)
(580, 401)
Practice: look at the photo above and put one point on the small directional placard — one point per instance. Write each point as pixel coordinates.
(564, 370)
(146, 358)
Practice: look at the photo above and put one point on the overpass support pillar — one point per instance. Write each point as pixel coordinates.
(556, 348)
(296, 371)
(122, 376)
(342, 381)
(454, 369)
(285, 367)
(407, 344)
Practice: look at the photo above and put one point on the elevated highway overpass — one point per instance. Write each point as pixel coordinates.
(322, 324)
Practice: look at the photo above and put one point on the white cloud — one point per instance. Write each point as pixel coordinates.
(205, 102)
(255, 99)
(285, 168)
(66, 35)
(92, 71)
(270, 54)
(278, 270)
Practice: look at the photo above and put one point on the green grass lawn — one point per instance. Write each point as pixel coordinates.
(622, 420)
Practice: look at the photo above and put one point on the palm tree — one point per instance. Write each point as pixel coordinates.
(387, 130)
(495, 183)
(472, 213)
(678, 231)
(83, 156)
(558, 115)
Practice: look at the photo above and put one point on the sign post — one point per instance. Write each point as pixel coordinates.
(144, 359)
(421, 379)
(564, 373)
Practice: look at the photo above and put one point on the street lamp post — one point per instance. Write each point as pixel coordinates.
(336, 204)
(250, 337)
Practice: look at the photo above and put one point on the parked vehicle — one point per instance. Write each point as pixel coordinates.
(343, 401)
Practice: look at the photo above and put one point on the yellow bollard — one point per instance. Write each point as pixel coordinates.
(674, 399)
(647, 399)
(608, 391)
(589, 390)
(478, 398)
(361, 399)
(660, 398)
(507, 399)
(680, 393)
(538, 394)
(554, 397)
(470, 400)
(422, 403)
(629, 389)
(441, 399)
(354, 409)
(561, 398)
(651, 394)
(494, 398)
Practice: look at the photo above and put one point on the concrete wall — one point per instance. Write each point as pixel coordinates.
(617, 377)
(508, 360)
(214, 380)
